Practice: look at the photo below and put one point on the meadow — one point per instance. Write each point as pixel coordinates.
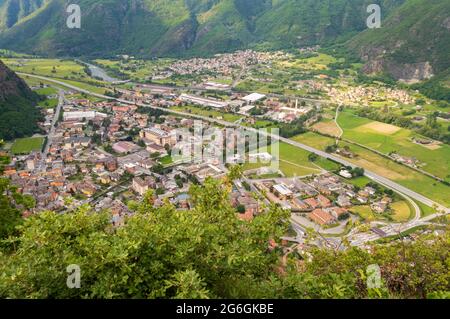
(48, 103)
(400, 212)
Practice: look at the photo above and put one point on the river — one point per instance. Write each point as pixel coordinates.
(98, 72)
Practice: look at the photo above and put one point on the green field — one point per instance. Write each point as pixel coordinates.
(48, 103)
(425, 210)
(385, 167)
(47, 91)
(64, 70)
(27, 145)
(388, 138)
(360, 182)
(47, 67)
(294, 162)
(205, 112)
(365, 212)
(401, 212)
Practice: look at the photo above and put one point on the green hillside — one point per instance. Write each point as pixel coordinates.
(185, 27)
(402, 47)
(12, 11)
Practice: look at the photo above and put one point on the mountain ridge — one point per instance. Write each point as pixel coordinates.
(183, 28)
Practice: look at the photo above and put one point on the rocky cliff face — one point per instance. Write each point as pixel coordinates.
(405, 72)
(413, 43)
(13, 86)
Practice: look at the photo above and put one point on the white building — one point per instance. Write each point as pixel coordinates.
(254, 97)
(202, 101)
(88, 115)
(345, 173)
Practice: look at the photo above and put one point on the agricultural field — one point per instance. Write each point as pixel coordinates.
(48, 67)
(86, 86)
(328, 127)
(313, 139)
(385, 167)
(27, 145)
(388, 138)
(382, 103)
(64, 70)
(33, 82)
(319, 62)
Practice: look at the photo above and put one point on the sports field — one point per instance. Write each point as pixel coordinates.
(27, 145)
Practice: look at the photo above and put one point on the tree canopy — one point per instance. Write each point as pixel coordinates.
(205, 252)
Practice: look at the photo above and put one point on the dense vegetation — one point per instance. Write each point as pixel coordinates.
(298, 126)
(12, 204)
(18, 118)
(434, 88)
(205, 252)
(18, 114)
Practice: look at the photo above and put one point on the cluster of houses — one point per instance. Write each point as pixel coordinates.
(104, 153)
(224, 64)
(325, 198)
(366, 94)
(410, 161)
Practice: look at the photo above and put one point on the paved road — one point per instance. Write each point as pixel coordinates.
(377, 178)
(336, 121)
(51, 133)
